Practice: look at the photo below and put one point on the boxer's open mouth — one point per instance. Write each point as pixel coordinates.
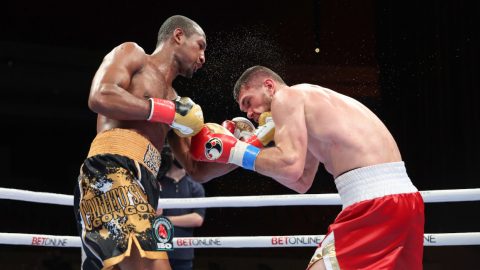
(197, 67)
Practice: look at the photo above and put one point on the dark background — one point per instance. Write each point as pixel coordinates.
(415, 64)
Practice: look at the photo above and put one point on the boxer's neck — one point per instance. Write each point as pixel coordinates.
(164, 59)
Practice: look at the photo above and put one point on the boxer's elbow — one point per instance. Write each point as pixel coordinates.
(98, 100)
(301, 185)
(304, 184)
(93, 103)
(303, 191)
(293, 173)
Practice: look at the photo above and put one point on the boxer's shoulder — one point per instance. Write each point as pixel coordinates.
(130, 48)
(127, 53)
(288, 96)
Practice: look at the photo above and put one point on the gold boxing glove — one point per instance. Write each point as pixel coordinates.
(182, 114)
(265, 132)
(188, 117)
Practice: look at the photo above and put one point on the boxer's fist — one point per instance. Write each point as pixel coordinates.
(188, 117)
(265, 132)
(240, 127)
(214, 143)
(229, 125)
(182, 114)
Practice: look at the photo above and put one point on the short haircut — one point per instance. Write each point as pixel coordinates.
(188, 26)
(251, 75)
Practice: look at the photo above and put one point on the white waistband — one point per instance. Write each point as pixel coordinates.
(373, 182)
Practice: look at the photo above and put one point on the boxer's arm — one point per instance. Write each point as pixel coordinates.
(108, 96)
(286, 162)
(200, 172)
(306, 179)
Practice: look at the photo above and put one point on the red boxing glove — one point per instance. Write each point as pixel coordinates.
(216, 144)
(229, 125)
(212, 144)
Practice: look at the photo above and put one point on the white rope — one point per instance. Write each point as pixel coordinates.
(252, 201)
(429, 196)
(32, 196)
(440, 239)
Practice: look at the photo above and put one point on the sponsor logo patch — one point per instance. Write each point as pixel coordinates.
(152, 159)
(162, 230)
(213, 148)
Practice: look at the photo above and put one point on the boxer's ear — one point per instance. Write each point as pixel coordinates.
(178, 35)
(269, 84)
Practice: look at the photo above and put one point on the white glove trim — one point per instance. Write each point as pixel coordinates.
(237, 152)
(151, 109)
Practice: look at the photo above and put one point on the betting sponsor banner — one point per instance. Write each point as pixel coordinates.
(39, 240)
(247, 242)
(441, 239)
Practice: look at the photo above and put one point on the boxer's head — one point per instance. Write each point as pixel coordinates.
(254, 90)
(187, 41)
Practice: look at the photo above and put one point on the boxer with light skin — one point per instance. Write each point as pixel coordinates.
(315, 124)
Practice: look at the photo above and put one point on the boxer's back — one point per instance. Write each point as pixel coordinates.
(343, 133)
(147, 82)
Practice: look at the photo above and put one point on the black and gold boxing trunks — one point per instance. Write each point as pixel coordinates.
(116, 198)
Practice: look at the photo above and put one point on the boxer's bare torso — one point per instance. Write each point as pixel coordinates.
(145, 81)
(343, 134)
(315, 124)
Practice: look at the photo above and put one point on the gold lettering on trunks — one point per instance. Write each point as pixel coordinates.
(86, 212)
(123, 196)
(108, 208)
(112, 201)
(114, 204)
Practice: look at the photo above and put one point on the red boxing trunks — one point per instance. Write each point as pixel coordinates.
(116, 198)
(381, 225)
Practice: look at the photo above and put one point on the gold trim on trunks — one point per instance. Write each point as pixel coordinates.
(154, 255)
(127, 143)
(328, 250)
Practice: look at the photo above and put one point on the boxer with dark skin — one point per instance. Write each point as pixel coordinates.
(128, 77)
(126, 80)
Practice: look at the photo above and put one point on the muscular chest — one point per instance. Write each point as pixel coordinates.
(150, 82)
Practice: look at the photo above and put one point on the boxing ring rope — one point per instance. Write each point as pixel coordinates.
(429, 196)
(439, 239)
(446, 239)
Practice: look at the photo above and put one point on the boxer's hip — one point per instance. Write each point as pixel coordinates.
(116, 197)
(381, 224)
(373, 182)
(130, 144)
